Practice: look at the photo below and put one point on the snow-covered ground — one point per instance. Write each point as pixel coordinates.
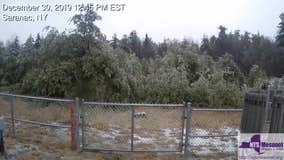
(212, 145)
(166, 139)
(158, 139)
(163, 139)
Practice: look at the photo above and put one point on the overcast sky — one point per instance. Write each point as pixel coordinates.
(159, 18)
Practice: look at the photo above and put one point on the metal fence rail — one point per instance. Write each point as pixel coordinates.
(133, 104)
(37, 123)
(36, 98)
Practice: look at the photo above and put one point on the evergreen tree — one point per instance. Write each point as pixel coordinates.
(14, 47)
(280, 35)
(2, 49)
(135, 43)
(29, 44)
(85, 26)
(124, 43)
(205, 45)
(163, 48)
(2, 62)
(148, 50)
(213, 48)
(221, 41)
(37, 41)
(114, 42)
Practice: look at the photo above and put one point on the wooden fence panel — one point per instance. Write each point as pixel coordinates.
(277, 118)
(254, 113)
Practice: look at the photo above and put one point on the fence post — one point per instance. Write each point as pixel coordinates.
(132, 127)
(187, 129)
(183, 119)
(83, 124)
(77, 118)
(2, 127)
(72, 125)
(12, 116)
(266, 125)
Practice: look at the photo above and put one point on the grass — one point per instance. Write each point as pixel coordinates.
(106, 119)
(36, 110)
(213, 121)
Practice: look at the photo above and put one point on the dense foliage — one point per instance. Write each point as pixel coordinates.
(84, 63)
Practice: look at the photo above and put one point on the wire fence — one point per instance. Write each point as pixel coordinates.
(124, 127)
(36, 119)
(133, 127)
(214, 131)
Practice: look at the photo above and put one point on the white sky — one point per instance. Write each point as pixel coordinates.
(160, 18)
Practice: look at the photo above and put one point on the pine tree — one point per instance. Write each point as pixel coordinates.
(221, 41)
(29, 44)
(205, 45)
(2, 48)
(148, 49)
(114, 42)
(14, 47)
(85, 27)
(124, 43)
(280, 35)
(135, 43)
(163, 48)
(37, 41)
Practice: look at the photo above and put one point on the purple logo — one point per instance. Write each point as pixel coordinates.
(256, 144)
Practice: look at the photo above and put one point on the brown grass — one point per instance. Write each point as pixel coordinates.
(28, 110)
(51, 147)
(105, 120)
(214, 121)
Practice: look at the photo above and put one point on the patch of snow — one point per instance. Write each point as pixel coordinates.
(143, 139)
(170, 137)
(229, 131)
(115, 132)
(167, 132)
(21, 148)
(104, 134)
(199, 132)
(213, 145)
(63, 134)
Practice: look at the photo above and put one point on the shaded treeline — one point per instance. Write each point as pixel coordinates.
(84, 63)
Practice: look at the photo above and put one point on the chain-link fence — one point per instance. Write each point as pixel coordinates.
(121, 126)
(36, 120)
(160, 128)
(214, 131)
(133, 127)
